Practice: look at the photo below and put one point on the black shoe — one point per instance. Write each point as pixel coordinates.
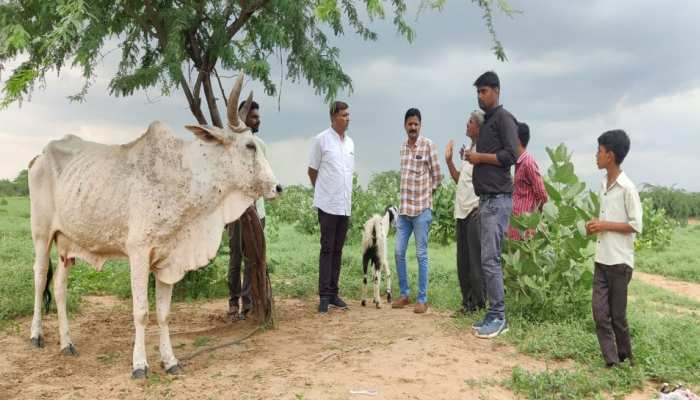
(337, 302)
(323, 305)
(630, 360)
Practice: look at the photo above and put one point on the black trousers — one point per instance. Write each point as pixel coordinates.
(469, 262)
(236, 247)
(610, 311)
(333, 231)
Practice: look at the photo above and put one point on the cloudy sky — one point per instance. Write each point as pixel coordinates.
(575, 69)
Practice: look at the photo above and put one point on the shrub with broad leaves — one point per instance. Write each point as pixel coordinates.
(549, 275)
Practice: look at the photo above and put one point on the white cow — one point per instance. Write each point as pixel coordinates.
(159, 201)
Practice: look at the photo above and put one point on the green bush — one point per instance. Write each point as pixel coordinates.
(678, 203)
(442, 229)
(657, 228)
(3, 202)
(549, 275)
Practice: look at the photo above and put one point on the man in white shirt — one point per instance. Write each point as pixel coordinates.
(619, 221)
(331, 166)
(467, 227)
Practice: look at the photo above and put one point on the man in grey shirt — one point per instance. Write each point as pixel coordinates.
(495, 154)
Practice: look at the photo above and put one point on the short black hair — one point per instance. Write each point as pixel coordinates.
(338, 106)
(253, 106)
(616, 141)
(523, 133)
(412, 112)
(488, 78)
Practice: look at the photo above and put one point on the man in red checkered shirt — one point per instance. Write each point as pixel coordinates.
(420, 177)
(529, 194)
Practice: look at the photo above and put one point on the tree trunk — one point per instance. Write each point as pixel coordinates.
(211, 101)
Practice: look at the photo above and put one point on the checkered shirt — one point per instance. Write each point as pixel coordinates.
(420, 175)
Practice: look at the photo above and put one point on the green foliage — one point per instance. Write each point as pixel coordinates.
(679, 204)
(656, 230)
(576, 384)
(17, 187)
(162, 42)
(549, 274)
(442, 229)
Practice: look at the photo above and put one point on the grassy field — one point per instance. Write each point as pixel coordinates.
(681, 260)
(665, 327)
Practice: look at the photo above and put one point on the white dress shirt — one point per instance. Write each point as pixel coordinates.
(334, 159)
(465, 198)
(618, 203)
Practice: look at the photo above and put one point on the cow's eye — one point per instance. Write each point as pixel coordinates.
(250, 146)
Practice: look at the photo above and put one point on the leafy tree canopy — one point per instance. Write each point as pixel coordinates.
(186, 44)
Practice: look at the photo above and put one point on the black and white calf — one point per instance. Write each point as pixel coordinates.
(374, 249)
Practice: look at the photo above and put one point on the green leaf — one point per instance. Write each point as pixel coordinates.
(567, 216)
(552, 192)
(561, 153)
(550, 211)
(581, 225)
(565, 173)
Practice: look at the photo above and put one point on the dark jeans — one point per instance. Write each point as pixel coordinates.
(333, 231)
(236, 247)
(610, 311)
(469, 262)
(494, 213)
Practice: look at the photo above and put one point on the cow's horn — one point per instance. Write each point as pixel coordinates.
(243, 114)
(232, 111)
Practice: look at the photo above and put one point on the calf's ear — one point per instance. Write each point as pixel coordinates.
(209, 134)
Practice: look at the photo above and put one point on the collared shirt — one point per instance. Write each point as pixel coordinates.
(334, 159)
(529, 194)
(465, 198)
(498, 135)
(618, 203)
(420, 175)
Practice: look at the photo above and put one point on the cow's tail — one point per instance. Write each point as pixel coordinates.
(374, 235)
(47, 290)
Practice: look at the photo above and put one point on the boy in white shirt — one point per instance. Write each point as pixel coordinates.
(620, 220)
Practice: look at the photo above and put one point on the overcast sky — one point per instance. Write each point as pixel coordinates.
(575, 69)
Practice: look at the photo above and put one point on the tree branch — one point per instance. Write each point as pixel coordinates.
(246, 13)
(223, 94)
(194, 102)
(211, 100)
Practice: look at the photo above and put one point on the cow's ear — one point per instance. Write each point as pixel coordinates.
(208, 134)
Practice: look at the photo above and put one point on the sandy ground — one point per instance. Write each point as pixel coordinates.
(687, 289)
(394, 354)
(361, 353)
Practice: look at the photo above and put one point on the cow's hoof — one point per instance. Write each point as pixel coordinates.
(141, 373)
(38, 341)
(69, 351)
(175, 370)
(364, 303)
(377, 304)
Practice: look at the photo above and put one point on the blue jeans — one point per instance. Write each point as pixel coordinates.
(495, 214)
(420, 226)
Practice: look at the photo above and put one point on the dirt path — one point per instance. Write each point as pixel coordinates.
(394, 352)
(688, 289)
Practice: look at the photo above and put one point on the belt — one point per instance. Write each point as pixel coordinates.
(494, 195)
